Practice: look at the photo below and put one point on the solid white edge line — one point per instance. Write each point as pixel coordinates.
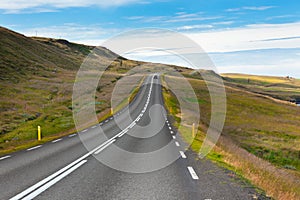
(5, 157)
(104, 147)
(54, 141)
(32, 148)
(123, 132)
(182, 154)
(52, 176)
(54, 181)
(177, 144)
(193, 173)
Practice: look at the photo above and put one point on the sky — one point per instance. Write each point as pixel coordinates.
(240, 36)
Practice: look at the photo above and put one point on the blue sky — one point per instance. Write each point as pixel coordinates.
(257, 36)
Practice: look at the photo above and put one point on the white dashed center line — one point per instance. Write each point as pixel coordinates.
(182, 154)
(193, 173)
(174, 137)
(84, 131)
(72, 135)
(177, 144)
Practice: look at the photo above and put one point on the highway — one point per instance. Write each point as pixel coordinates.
(136, 154)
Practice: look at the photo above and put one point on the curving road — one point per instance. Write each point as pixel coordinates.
(136, 154)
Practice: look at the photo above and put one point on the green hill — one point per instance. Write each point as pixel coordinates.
(36, 81)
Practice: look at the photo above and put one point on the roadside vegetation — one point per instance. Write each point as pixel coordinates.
(281, 88)
(260, 141)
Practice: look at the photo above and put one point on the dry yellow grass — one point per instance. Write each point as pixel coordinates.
(244, 128)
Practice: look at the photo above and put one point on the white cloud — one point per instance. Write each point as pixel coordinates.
(280, 17)
(193, 27)
(259, 8)
(223, 23)
(134, 17)
(178, 17)
(257, 36)
(233, 9)
(19, 5)
(91, 35)
(256, 8)
(188, 19)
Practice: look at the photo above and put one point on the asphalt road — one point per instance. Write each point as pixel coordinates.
(136, 154)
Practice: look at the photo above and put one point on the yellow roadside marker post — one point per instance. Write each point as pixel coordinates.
(39, 134)
(193, 131)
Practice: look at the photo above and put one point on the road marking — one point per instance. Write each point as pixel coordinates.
(5, 157)
(101, 124)
(32, 148)
(72, 135)
(132, 124)
(54, 141)
(106, 120)
(55, 180)
(182, 154)
(49, 178)
(101, 149)
(193, 173)
(45, 183)
(84, 131)
(173, 136)
(170, 128)
(94, 127)
(171, 132)
(177, 144)
(124, 131)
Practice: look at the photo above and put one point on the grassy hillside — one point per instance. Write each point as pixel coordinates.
(258, 131)
(283, 88)
(36, 82)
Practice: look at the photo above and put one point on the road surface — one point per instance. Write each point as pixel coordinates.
(119, 163)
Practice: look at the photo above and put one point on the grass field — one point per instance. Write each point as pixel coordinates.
(283, 88)
(260, 140)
